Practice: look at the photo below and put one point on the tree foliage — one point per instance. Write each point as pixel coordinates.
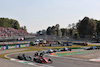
(54, 30)
(83, 28)
(64, 31)
(86, 27)
(48, 31)
(5, 22)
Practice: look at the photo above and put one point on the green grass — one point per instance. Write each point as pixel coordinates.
(33, 48)
(73, 46)
(73, 53)
(30, 48)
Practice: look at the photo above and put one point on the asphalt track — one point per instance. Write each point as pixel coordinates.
(57, 62)
(8, 63)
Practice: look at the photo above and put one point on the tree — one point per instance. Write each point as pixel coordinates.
(73, 26)
(85, 27)
(43, 32)
(48, 31)
(16, 25)
(69, 25)
(59, 33)
(76, 35)
(57, 28)
(5, 22)
(98, 27)
(64, 31)
(53, 30)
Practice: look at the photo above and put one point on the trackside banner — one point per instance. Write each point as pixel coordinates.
(24, 45)
(11, 46)
(14, 46)
(3, 47)
(17, 46)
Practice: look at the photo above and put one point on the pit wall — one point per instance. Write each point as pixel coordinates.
(14, 46)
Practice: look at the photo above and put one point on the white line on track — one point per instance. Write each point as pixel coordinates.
(68, 58)
(26, 62)
(30, 63)
(96, 60)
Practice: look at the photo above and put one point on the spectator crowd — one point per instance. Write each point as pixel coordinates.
(8, 32)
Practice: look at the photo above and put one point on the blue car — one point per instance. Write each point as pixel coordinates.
(90, 48)
(65, 49)
(49, 51)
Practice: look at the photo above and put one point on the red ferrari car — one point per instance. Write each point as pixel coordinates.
(41, 59)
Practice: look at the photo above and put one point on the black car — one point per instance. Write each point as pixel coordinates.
(24, 57)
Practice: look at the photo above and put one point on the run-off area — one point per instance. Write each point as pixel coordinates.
(59, 60)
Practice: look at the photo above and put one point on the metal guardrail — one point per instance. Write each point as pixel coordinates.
(17, 42)
(15, 38)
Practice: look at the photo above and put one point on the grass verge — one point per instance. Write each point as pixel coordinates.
(30, 48)
(73, 47)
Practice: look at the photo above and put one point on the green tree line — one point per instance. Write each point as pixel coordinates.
(85, 28)
(5, 22)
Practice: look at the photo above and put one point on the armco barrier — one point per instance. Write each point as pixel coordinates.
(67, 43)
(47, 45)
(70, 43)
(83, 44)
(54, 45)
(13, 46)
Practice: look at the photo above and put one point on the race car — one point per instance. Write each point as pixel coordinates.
(65, 49)
(41, 59)
(23, 57)
(49, 51)
(39, 53)
(91, 48)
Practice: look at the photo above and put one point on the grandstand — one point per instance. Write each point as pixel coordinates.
(10, 34)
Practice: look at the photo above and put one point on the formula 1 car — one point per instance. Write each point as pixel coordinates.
(91, 48)
(41, 59)
(49, 51)
(65, 49)
(39, 53)
(23, 57)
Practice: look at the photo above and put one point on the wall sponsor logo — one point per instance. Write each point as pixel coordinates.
(23, 45)
(17, 46)
(11, 47)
